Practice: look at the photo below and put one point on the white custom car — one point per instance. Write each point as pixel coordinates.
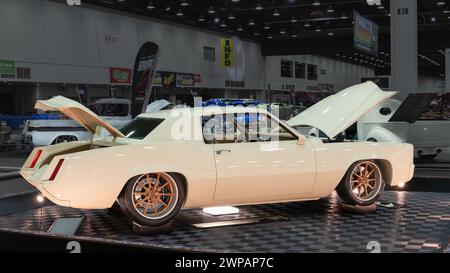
(410, 121)
(214, 156)
(116, 111)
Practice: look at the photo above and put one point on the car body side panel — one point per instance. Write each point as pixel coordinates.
(94, 179)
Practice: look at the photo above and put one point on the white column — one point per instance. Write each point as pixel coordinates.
(447, 70)
(404, 46)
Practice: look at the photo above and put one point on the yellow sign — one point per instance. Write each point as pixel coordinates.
(227, 52)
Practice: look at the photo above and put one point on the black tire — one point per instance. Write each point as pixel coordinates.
(371, 139)
(126, 201)
(346, 192)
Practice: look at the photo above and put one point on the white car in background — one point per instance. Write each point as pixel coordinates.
(412, 121)
(115, 111)
(153, 169)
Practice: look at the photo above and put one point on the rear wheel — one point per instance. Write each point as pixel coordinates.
(153, 199)
(363, 184)
(63, 139)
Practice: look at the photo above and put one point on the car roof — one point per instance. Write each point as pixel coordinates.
(197, 111)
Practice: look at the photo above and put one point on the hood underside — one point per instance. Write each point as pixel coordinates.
(338, 112)
(78, 113)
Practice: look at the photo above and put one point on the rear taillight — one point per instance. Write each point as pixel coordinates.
(36, 158)
(56, 170)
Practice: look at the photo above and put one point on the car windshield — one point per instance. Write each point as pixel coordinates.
(140, 127)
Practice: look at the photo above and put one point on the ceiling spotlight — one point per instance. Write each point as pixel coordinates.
(251, 23)
(256, 33)
(223, 25)
(180, 13)
(259, 7)
(269, 37)
(235, 1)
(216, 20)
(240, 28)
(294, 20)
(380, 7)
(433, 19)
(330, 9)
(201, 19)
(266, 27)
(231, 17)
(344, 16)
(150, 5)
(330, 33)
(211, 10)
(168, 9)
(440, 3)
(307, 24)
(294, 35)
(276, 13)
(318, 29)
(282, 31)
(316, 3)
(184, 3)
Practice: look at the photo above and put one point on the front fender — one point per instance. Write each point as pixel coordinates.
(381, 134)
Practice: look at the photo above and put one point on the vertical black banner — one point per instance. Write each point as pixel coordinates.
(143, 74)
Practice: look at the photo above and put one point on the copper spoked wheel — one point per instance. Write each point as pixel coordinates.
(366, 180)
(154, 196)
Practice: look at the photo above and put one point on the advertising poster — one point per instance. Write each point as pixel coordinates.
(120, 75)
(165, 79)
(365, 34)
(7, 67)
(227, 52)
(144, 68)
(185, 80)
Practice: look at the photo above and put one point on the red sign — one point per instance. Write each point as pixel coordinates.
(120, 75)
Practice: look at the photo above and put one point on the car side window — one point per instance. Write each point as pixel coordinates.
(243, 128)
(218, 129)
(262, 128)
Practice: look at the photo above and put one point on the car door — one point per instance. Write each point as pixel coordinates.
(253, 164)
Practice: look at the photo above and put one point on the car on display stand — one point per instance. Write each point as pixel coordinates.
(414, 120)
(189, 158)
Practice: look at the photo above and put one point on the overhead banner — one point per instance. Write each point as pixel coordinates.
(365, 37)
(7, 67)
(227, 52)
(143, 74)
(120, 75)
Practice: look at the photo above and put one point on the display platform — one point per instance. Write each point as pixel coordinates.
(417, 222)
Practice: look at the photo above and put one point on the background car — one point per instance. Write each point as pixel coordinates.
(416, 120)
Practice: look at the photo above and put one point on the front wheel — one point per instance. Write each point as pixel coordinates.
(363, 184)
(153, 199)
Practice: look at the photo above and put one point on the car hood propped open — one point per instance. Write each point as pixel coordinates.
(337, 112)
(78, 113)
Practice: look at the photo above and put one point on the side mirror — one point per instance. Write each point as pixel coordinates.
(302, 140)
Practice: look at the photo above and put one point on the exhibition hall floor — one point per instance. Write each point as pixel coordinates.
(417, 222)
(406, 221)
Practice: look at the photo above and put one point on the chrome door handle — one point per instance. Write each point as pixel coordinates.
(221, 151)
